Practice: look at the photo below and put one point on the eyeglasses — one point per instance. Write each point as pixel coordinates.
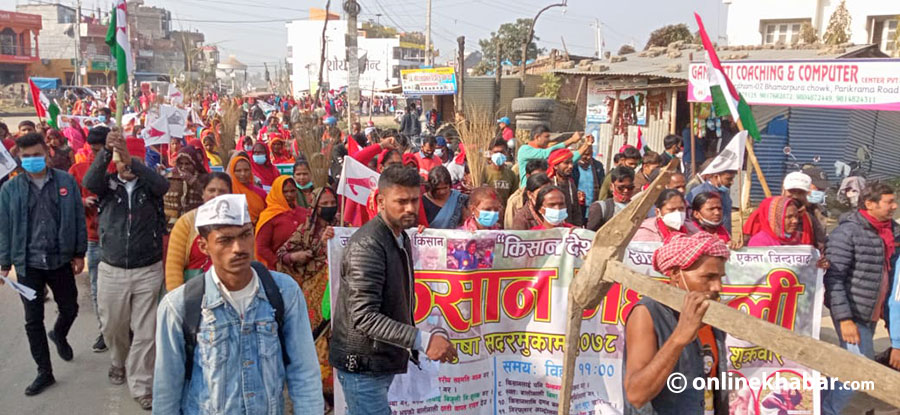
(624, 187)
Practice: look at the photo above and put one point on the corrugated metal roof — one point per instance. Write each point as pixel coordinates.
(636, 65)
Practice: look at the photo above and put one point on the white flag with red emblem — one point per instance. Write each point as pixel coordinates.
(358, 181)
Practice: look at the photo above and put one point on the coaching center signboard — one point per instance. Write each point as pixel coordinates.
(429, 81)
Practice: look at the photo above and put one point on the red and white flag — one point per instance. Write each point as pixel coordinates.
(41, 103)
(640, 142)
(358, 181)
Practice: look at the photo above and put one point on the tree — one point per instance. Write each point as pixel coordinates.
(625, 49)
(378, 31)
(808, 33)
(838, 31)
(668, 34)
(550, 84)
(511, 36)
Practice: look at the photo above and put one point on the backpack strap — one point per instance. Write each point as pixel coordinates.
(608, 208)
(276, 301)
(190, 324)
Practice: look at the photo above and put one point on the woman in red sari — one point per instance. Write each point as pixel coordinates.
(280, 153)
(278, 222)
(262, 166)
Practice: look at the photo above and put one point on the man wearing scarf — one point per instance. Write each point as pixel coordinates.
(560, 172)
(621, 185)
(660, 341)
(861, 251)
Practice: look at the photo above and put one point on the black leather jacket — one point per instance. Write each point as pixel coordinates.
(373, 330)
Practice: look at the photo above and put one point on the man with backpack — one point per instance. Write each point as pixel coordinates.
(621, 187)
(229, 341)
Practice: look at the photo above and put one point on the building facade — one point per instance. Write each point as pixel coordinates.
(380, 59)
(762, 22)
(18, 45)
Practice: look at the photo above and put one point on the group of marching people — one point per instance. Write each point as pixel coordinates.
(250, 225)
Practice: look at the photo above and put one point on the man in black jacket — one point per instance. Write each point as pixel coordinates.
(373, 333)
(130, 274)
(43, 234)
(861, 251)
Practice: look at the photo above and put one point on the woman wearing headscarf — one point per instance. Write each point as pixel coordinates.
(280, 153)
(779, 219)
(185, 191)
(209, 147)
(197, 144)
(61, 155)
(443, 205)
(278, 222)
(184, 259)
(240, 170)
(262, 166)
(669, 218)
(304, 257)
(245, 144)
(484, 210)
(707, 216)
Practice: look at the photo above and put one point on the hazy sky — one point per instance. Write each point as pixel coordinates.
(255, 32)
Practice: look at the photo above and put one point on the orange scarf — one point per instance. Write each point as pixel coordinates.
(255, 203)
(276, 203)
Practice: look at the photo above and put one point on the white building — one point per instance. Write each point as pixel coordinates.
(380, 59)
(761, 22)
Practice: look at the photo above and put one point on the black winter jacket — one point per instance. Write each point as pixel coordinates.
(373, 330)
(853, 283)
(131, 231)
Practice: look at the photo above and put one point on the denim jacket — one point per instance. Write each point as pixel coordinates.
(238, 367)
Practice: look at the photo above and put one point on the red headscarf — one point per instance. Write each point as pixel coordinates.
(556, 157)
(756, 224)
(771, 217)
(197, 144)
(266, 172)
(682, 251)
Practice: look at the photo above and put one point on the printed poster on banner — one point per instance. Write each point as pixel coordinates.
(600, 103)
(428, 81)
(868, 84)
(64, 120)
(502, 296)
(7, 162)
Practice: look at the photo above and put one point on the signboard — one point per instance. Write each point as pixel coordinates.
(430, 81)
(502, 297)
(868, 84)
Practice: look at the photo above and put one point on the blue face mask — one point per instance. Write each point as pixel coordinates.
(303, 186)
(102, 118)
(488, 218)
(34, 164)
(555, 216)
(498, 158)
(816, 197)
(259, 158)
(723, 188)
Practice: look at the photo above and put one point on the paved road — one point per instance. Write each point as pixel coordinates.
(81, 384)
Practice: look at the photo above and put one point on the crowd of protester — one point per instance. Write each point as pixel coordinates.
(148, 220)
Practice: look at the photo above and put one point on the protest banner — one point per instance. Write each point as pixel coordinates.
(502, 297)
(7, 162)
(869, 84)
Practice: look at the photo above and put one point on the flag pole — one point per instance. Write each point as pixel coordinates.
(693, 147)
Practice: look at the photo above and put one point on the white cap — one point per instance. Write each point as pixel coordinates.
(223, 210)
(797, 181)
(369, 130)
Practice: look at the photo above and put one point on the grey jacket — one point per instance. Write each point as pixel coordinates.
(853, 283)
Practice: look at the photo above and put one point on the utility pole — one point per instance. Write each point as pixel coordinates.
(351, 7)
(599, 38)
(428, 57)
(460, 73)
(498, 74)
(528, 40)
(78, 43)
(322, 57)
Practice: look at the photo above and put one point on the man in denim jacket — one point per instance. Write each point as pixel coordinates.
(237, 364)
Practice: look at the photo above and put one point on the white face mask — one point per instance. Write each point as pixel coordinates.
(674, 220)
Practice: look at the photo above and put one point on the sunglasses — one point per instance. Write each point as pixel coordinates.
(625, 187)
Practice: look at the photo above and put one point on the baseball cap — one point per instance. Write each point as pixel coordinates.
(797, 181)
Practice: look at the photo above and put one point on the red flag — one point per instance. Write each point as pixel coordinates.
(36, 99)
(640, 142)
(352, 145)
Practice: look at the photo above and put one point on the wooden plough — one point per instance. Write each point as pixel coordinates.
(603, 267)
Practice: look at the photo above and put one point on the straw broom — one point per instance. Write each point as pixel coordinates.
(231, 112)
(311, 148)
(476, 132)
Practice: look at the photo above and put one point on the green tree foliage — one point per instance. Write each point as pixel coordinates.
(838, 31)
(550, 84)
(808, 33)
(668, 34)
(511, 36)
(378, 31)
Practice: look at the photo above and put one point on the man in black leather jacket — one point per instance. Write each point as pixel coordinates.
(373, 330)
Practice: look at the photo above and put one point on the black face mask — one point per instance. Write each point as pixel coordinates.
(328, 213)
